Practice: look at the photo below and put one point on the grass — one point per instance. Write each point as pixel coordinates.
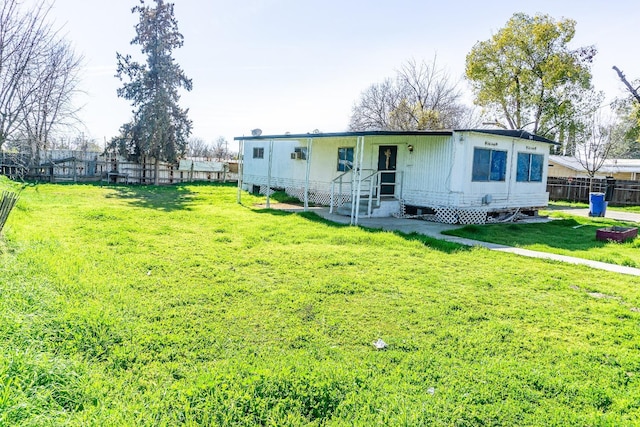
(565, 235)
(152, 306)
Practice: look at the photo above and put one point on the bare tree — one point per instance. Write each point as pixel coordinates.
(596, 145)
(376, 104)
(221, 149)
(198, 147)
(422, 96)
(38, 74)
(52, 100)
(21, 37)
(218, 150)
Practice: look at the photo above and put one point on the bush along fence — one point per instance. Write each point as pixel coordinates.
(7, 203)
(617, 192)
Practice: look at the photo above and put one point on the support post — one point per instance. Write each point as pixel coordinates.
(240, 169)
(308, 172)
(269, 174)
(356, 183)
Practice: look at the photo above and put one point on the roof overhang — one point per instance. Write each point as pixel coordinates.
(349, 134)
(521, 134)
(512, 133)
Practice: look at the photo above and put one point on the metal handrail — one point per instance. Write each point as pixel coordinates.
(375, 186)
(339, 180)
(333, 183)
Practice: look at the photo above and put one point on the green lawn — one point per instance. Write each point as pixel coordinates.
(147, 306)
(565, 235)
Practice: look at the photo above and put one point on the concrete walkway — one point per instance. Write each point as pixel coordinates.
(611, 214)
(434, 229)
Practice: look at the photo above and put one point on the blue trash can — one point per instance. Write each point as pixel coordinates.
(597, 205)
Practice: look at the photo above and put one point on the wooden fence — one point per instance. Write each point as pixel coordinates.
(79, 166)
(618, 193)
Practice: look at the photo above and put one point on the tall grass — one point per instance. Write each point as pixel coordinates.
(177, 306)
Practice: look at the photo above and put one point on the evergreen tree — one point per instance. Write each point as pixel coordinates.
(160, 128)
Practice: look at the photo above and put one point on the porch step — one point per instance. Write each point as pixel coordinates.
(388, 206)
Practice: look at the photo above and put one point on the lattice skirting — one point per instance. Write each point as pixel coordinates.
(322, 198)
(319, 197)
(266, 190)
(446, 215)
(450, 215)
(402, 213)
(472, 216)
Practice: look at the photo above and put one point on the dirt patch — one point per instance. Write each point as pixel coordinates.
(601, 296)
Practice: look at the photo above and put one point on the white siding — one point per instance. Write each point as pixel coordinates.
(508, 193)
(437, 173)
(428, 172)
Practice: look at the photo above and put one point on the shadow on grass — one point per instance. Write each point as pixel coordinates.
(164, 198)
(436, 244)
(567, 233)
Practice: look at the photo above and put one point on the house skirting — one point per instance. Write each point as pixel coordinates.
(320, 194)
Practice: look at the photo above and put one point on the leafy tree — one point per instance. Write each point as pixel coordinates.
(422, 96)
(527, 77)
(160, 128)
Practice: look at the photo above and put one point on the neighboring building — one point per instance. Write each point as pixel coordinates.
(82, 166)
(455, 175)
(207, 170)
(570, 167)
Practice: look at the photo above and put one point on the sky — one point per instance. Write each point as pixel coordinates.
(300, 65)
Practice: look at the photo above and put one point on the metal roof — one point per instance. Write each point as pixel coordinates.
(347, 134)
(609, 165)
(499, 132)
(200, 166)
(513, 133)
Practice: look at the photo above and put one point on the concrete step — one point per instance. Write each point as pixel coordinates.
(387, 208)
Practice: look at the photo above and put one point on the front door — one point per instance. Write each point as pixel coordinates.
(387, 155)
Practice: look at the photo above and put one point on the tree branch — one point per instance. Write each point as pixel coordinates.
(627, 84)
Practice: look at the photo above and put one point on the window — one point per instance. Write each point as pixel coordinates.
(529, 167)
(489, 165)
(300, 153)
(258, 152)
(345, 159)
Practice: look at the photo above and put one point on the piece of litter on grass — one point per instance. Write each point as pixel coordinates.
(431, 390)
(149, 273)
(578, 226)
(379, 344)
